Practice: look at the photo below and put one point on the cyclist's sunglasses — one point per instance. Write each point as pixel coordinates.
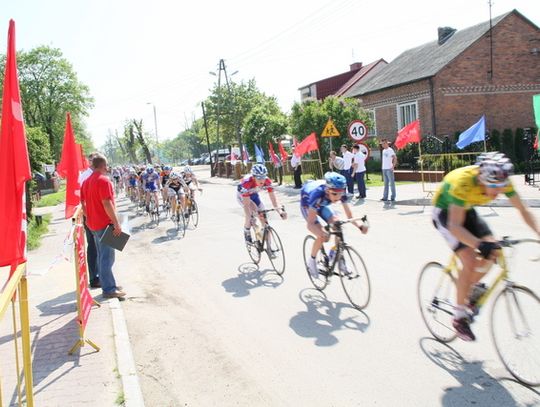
(336, 192)
(502, 185)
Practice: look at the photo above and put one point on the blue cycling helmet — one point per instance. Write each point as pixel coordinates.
(335, 180)
(149, 170)
(167, 168)
(259, 171)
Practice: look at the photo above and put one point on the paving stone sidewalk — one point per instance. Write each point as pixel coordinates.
(86, 378)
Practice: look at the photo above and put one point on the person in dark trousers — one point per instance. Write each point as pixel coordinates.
(359, 169)
(296, 163)
(91, 252)
(97, 197)
(347, 168)
(278, 171)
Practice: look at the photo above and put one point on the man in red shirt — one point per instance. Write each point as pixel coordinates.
(97, 197)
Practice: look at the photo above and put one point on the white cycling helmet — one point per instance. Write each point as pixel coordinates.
(495, 168)
(259, 171)
(187, 170)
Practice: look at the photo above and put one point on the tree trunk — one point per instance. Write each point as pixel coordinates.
(142, 141)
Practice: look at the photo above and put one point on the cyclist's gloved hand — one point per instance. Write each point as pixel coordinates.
(283, 214)
(486, 248)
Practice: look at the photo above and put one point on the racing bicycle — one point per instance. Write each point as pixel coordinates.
(344, 262)
(515, 314)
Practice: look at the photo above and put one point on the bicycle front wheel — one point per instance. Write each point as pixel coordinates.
(321, 282)
(274, 250)
(194, 213)
(436, 299)
(515, 329)
(180, 221)
(354, 277)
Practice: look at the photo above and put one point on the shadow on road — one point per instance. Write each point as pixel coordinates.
(250, 277)
(170, 234)
(476, 386)
(323, 318)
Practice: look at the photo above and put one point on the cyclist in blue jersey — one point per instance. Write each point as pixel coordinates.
(315, 201)
(150, 184)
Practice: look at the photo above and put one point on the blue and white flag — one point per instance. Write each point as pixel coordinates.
(259, 155)
(477, 132)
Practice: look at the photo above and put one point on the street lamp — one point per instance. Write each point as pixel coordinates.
(155, 128)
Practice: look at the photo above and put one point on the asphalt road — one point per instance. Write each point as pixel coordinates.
(209, 328)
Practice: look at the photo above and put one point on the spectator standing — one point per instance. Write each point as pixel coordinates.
(335, 162)
(347, 167)
(389, 162)
(91, 251)
(278, 170)
(296, 164)
(359, 169)
(97, 197)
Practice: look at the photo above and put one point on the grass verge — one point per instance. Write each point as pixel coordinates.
(35, 231)
(53, 199)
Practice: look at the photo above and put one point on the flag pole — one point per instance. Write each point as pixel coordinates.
(320, 161)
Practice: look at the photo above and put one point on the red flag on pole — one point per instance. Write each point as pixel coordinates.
(14, 165)
(69, 166)
(408, 134)
(306, 145)
(83, 161)
(282, 152)
(273, 155)
(245, 156)
(536, 144)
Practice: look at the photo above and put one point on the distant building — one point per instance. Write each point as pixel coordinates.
(449, 83)
(339, 84)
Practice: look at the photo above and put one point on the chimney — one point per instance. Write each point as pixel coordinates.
(444, 34)
(356, 66)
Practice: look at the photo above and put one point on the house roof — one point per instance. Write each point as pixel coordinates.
(423, 61)
(359, 75)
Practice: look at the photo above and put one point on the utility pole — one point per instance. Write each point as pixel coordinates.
(207, 139)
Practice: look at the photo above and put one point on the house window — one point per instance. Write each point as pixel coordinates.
(407, 112)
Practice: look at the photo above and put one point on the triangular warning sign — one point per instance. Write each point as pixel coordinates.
(330, 129)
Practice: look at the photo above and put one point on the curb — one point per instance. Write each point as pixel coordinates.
(126, 364)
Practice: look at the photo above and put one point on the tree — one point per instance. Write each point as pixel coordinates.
(311, 116)
(508, 144)
(49, 89)
(38, 148)
(140, 134)
(264, 123)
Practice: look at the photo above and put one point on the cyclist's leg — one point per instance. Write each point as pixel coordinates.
(147, 199)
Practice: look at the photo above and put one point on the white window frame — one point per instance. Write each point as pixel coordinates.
(409, 116)
(372, 131)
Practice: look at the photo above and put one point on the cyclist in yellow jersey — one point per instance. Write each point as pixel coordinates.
(468, 234)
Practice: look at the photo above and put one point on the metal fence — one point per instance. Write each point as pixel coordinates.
(433, 167)
(311, 169)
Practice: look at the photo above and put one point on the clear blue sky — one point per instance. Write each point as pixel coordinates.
(130, 52)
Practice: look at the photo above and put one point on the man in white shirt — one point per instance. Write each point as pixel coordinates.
(389, 162)
(359, 168)
(335, 162)
(347, 167)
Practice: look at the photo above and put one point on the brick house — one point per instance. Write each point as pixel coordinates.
(339, 84)
(449, 83)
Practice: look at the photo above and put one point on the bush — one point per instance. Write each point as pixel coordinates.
(373, 165)
(508, 144)
(495, 140)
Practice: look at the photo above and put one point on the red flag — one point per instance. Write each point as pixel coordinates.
(245, 156)
(536, 144)
(83, 161)
(282, 152)
(14, 165)
(273, 155)
(408, 134)
(69, 166)
(306, 145)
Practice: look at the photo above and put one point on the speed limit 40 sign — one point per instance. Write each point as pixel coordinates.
(357, 130)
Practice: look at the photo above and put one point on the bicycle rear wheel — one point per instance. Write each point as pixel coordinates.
(274, 250)
(321, 282)
(436, 298)
(515, 329)
(194, 213)
(354, 277)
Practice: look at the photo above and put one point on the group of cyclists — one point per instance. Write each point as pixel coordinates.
(146, 183)
(454, 217)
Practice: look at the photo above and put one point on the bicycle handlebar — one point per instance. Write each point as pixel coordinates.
(339, 223)
(507, 242)
(282, 208)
